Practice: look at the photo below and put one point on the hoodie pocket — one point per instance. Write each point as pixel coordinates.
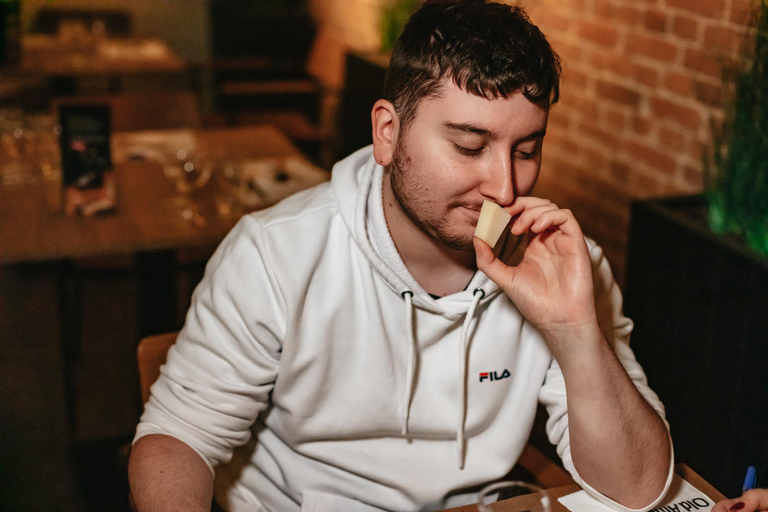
(315, 501)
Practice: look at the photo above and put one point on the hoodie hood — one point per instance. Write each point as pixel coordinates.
(357, 183)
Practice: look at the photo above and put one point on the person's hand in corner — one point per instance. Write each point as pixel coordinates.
(755, 500)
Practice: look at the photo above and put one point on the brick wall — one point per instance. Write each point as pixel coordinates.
(642, 81)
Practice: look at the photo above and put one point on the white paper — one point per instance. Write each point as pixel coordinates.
(682, 497)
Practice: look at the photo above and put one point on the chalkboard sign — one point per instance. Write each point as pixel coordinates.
(85, 149)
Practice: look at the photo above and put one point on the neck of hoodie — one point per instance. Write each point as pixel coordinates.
(439, 270)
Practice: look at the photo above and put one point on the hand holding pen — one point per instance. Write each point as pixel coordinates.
(751, 500)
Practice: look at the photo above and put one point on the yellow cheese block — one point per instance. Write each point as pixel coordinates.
(492, 223)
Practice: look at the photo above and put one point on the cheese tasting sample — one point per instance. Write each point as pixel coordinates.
(492, 223)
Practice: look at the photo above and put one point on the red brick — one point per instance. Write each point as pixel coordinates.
(671, 138)
(588, 109)
(646, 75)
(686, 27)
(656, 21)
(722, 38)
(598, 33)
(652, 47)
(642, 125)
(619, 171)
(702, 62)
(652, 157)
(696, 150)
(612, 62)
(644, 185)
(558, 118)
(558, 141)
(605, 138)
(574, 79)
(604, 8)
(616, 118)
(693, 177)
(742, 11)
(548, 20)
(679, 83)
(685, 116)
(594, 159)
(709, 93)
(568, 51)
(618, 93)
(628, 14)
(714, 9)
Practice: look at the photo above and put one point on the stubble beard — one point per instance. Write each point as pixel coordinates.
(406, 189)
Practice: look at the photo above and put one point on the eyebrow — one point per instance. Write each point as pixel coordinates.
(467, 128)
(470, 128)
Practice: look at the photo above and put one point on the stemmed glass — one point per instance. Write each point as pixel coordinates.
(537, 499)
(189, 170)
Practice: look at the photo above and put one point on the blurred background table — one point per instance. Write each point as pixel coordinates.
(34, 228)
(83, 62)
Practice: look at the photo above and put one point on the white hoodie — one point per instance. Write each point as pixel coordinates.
(315, 374)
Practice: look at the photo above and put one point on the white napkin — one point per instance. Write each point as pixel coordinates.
(682, 496)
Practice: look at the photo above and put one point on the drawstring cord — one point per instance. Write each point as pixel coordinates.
(476, 298)
(405, 407)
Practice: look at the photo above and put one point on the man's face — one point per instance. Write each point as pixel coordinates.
(461, 149)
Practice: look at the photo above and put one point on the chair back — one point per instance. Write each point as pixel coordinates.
(151, 356)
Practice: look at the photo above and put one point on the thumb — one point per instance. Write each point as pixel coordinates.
(491, 266)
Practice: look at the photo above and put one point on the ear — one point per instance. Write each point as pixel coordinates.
(386, 127)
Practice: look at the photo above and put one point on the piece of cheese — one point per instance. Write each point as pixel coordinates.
(492, 222)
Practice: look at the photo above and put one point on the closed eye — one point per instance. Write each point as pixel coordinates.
(522, 155)
(468, 151)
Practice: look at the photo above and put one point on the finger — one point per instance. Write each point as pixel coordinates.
(528, 217)
(753, 500)
(523, 203)
(491, 266)
(756, 499)
(561, 219)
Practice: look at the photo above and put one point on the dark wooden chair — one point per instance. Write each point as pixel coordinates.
(259, 70)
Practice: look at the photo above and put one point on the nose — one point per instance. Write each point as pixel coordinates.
(498, 183)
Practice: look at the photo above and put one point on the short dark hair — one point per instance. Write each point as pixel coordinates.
(486, 48)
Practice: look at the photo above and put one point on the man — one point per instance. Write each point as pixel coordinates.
(354, 348)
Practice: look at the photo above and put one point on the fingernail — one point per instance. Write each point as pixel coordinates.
(737, 506)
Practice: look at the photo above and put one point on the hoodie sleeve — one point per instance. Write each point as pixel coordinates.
(219, 373)
(617, 329)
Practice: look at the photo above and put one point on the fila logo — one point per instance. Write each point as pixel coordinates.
(494, 375)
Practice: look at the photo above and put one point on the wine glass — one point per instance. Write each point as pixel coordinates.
(536, 498)
(189, 170)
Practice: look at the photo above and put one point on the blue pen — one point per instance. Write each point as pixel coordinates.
(749, 480)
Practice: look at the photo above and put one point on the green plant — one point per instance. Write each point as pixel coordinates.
(737, 175)
(394, 16)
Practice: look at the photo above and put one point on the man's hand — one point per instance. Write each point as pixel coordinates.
(552, 287)
(619, 445)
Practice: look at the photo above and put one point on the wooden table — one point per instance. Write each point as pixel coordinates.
(525, 503)
(33, 229)
(48, 55)
(116, 60)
